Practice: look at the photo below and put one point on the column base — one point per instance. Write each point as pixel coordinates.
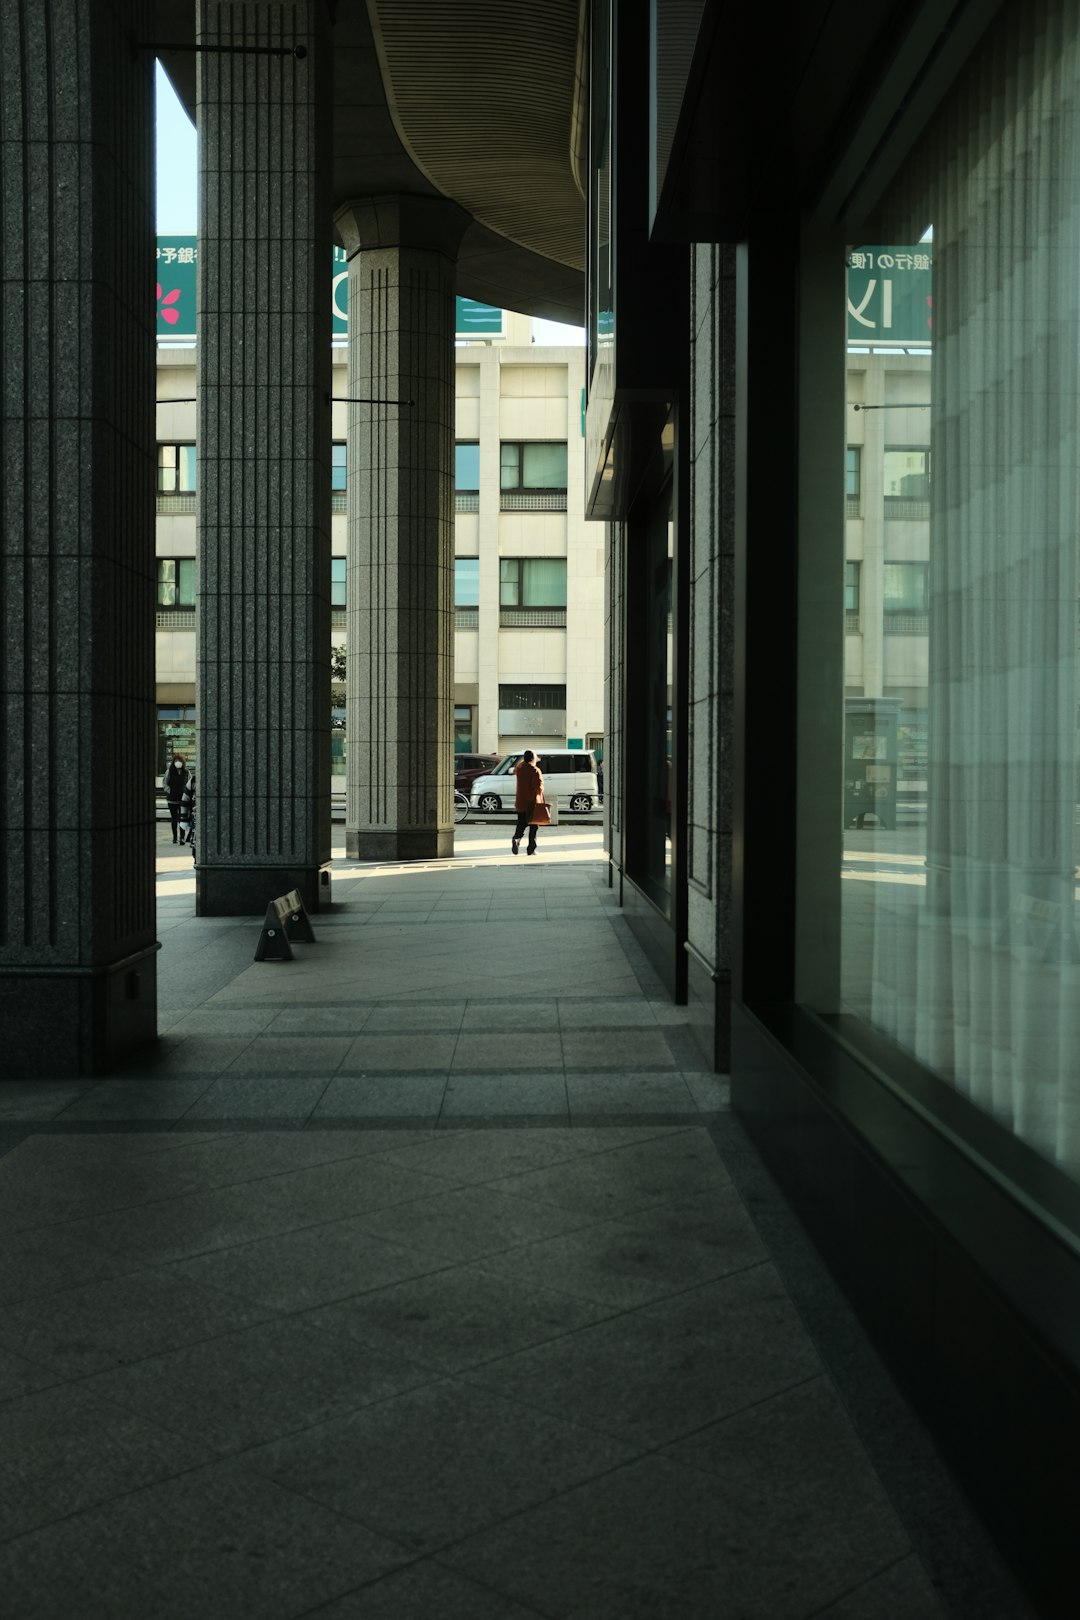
(73, 1024)
(400, 844)
(246, 891)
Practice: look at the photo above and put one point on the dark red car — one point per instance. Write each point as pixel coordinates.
(467, 767)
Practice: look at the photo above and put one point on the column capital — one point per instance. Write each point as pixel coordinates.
(401, 220)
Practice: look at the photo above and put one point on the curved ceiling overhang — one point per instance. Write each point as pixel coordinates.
(473, 101)
(483, 96)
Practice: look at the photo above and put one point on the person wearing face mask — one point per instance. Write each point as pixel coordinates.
(174, 782)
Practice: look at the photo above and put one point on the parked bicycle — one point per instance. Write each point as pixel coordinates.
(461, 805)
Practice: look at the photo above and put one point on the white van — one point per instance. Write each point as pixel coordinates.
(569, 779)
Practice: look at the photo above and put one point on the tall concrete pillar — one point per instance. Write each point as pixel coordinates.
(400, 693)
(77, 947)
(263, 536)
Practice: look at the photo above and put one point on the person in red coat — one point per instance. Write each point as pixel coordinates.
(530, 793)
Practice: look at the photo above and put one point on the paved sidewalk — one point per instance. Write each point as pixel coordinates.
(417, 1278)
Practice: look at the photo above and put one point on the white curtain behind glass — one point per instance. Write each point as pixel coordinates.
(982, 982)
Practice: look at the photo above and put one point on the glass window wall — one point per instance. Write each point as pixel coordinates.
(466, 581)
(956, 889)
(467, 467)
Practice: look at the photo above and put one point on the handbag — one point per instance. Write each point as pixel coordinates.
(542, 814)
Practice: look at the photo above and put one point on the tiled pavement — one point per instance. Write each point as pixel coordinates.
(415, 1279)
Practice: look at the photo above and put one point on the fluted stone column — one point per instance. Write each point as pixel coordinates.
(400, 692)
(263, 536)
(77, 947)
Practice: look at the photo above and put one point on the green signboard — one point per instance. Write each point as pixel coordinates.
(341, 294)
(477, 320)
(177, 257)
(890, 294)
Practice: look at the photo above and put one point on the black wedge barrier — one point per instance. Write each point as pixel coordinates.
(286, 920)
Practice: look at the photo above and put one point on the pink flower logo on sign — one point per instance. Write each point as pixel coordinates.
(165, 312)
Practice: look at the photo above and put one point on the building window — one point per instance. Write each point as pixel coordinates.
(467, 467)
(532, 697)
(907, 474)
(905, 587)
(532, 467)
(853, 472)
(466, 582)
(534, 582)
(176, 582)
(463, 728)
(851, 587)
(176, 469)
(337, 582)
(338, 464)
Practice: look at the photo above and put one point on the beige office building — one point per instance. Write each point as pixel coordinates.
(529, 569)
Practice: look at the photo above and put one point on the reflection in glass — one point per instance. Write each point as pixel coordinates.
(655, 665)
(959, 936)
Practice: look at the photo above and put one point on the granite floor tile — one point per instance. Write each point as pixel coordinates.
(49, 1259)
(528, 1051)
(468, 1223)
(514, 1094)
(280, 1054)
(177, 1055)
(315, 1266)
(137, 1100)
(458, 1318)
(234, 1157)
(903, 1592)
(321, 1020)
(656, 1541)
(501, 1016)
(327, 1192)
(409, 1054)
(86, 1330)
(593, 1015)
(660, 1372)
(476, 1157)
(40, 1186)
(433, 1465)
(239, 1097)
(219, 1021)
(20, 1377)
(633, 1261)
(39, 1099)
(370, 1096)
(198, 1223)
(247, 1388)
(643, 1172)
(711, 1092)
(65, 1449)
(426, 1591)
(399, 1020)
(833, 1500)
(627, 1093)
(218, 1544)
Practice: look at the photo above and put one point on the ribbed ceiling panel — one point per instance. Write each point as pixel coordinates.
(482, 93)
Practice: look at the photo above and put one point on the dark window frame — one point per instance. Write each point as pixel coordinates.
(519, 601)
(160, 583)
(520, 487)
(176, 487)
(927, 473)
(924, 606)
